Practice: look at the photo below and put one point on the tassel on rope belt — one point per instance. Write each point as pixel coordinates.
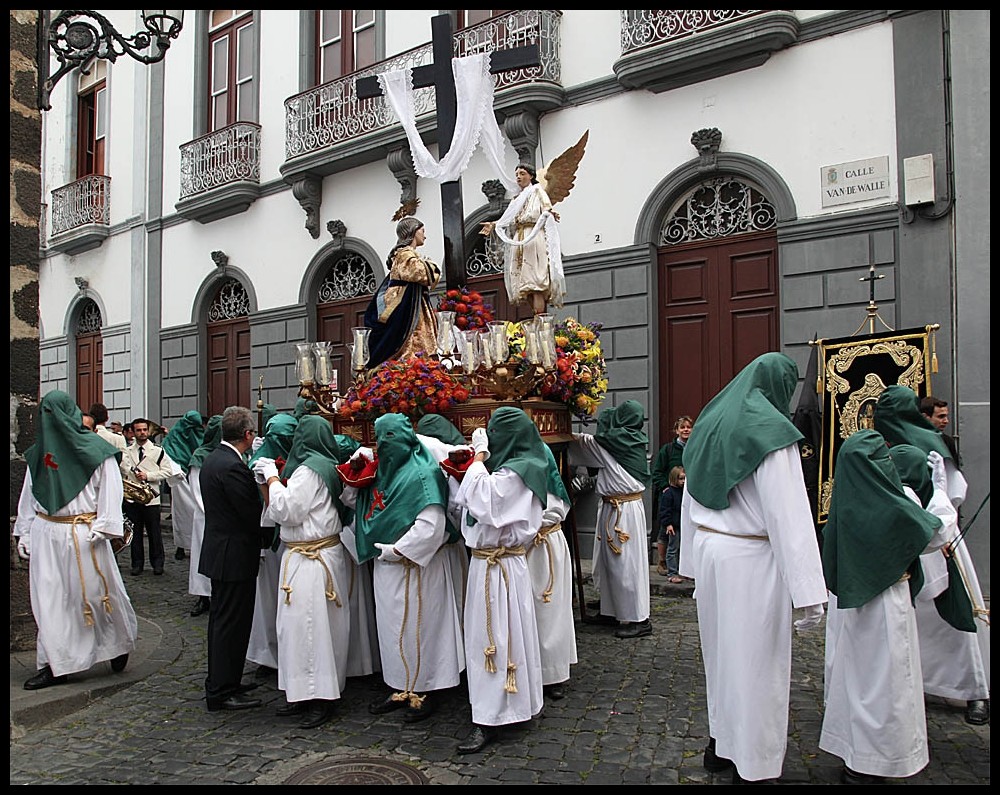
(733, 535)
(311, 550)
(619, 535)
(74, 520)
(979, 610)
(493, 556)
(542, 538)
(408, 694)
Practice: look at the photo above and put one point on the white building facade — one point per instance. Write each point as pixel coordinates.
(204, 214)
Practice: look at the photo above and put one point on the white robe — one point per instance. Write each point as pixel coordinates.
(550, 558)
(65, 643)
(198, 584)
(745, 591)
(182, 509)
(263, 648)
(418, 602)
(363, 657)
(314, 614)
(622, 579)
(507, 514)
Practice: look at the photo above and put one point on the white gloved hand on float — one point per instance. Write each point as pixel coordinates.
(939, 477)
(255, 445)
(263, 469)
(363, 452)
(481, 442)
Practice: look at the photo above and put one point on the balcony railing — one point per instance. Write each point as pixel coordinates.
(332, 113)
(643, 28)
(86, 201)
(220, 158)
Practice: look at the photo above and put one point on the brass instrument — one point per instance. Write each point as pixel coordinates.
(141, 493)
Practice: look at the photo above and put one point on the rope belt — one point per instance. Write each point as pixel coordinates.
(905, 577)
(543, 538)
(407, 693)
(311, 550)
(617, 501)
(493, 556)
(732, 535)
(84, 519)
(978, 610)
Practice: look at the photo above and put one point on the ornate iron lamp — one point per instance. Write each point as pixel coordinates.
(79, 37)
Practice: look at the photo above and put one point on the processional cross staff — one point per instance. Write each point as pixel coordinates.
(439, 74)
(872, 307)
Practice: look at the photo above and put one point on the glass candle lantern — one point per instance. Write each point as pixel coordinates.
(359, 351)
(547, 340)
(468, 348)
(445, 336)
(486, 349)
(498, 341)
(324, 368)
(532, 347)
(304, 362)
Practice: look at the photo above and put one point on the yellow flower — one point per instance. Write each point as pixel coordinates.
(562, 342)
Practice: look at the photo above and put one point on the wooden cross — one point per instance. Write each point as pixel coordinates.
(871, 278)
(439, 74)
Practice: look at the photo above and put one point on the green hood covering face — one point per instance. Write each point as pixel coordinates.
(303, 407)
(440, 428)
(911, 464)
(184, 438)
(874, 533)
(407, 481)
(315, 446)
(212, 439)
(65, 454)
(515, 444)
(267, 412)
(278, 433)
(747, 420)
(898, 419)
(619, 431)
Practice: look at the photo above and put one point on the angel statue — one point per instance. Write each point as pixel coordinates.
(533, 270)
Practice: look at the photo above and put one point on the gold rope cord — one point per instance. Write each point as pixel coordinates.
(311, 550)
(86, 519)
(542, 538)
(978, 610)
(617, 500)
(407, 694)
(732, 535)
(493, 556)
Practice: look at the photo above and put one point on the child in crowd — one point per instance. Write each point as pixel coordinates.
(668, 542)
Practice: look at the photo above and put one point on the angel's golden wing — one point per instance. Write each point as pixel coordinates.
(407, 208)
(559, 176)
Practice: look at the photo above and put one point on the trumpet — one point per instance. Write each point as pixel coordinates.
(141, 493)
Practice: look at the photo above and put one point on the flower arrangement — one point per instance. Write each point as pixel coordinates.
(413, 386)
(471, 311)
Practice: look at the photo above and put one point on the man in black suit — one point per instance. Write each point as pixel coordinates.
(230, 557)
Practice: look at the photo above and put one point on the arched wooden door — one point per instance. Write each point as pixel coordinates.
(341, 300)
(718, 299)
(89, 356)
(228, 337)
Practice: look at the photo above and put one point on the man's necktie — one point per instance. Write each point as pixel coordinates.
(142, 454)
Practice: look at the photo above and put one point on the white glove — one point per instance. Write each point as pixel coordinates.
(24, 547)
(363, 452)
(939, 478)
(255, 445)
(481, 442)
(93, 536)
(811, 616)
(264, 468)
(388, 553)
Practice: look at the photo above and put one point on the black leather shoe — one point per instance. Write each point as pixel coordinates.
(386, 705)
(478, 739)
(43, 679)
(977, 712)
(635, 629)
(180, 554)
(203, 605)
(236, 701)
(556, 692)
(288, 709)
(424, 711)
(136, 571)
(318, 713)
(246, 688)
(714, 763)
(601, 619)
(848, 776)
(118, 663)
(158, 571)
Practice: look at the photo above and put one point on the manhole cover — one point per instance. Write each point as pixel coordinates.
(366, 770)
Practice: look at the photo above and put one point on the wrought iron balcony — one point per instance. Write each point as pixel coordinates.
(668, 49)
(332, 114)
(220, 172)
(81, 214)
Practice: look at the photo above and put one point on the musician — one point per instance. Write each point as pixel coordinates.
(144, 463)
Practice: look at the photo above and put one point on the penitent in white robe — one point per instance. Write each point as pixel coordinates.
(198, 584)
(499, 609)
(263, 648)
(65, 642)
(182, 508)
(745, 590)
(414, 602)
(364, 657)
(314, 615)
(550, 567)
(622, 578)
